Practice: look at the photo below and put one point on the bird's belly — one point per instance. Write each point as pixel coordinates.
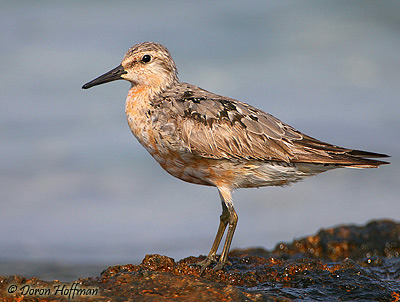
(238, 173)
(234, 173)
(182, 164)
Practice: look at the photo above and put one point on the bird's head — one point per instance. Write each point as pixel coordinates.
(146, 64)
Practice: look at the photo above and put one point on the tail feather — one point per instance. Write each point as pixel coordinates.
(364, 157)
(361, 159)
(367, 154)
(328, 154)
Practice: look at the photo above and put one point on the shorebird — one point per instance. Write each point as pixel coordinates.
(208, 139)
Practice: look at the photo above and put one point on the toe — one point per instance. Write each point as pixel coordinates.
(219, 266)
(204, 264)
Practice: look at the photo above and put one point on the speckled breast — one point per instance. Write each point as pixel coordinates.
(158, 136)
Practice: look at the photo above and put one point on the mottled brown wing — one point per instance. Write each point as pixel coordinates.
(234, 133)
(217, 127)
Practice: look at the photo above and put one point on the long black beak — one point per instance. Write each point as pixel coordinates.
(112, 75)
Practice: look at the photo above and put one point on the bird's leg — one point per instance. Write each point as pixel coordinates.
(233, 218)
(223, 222)
(228, 216)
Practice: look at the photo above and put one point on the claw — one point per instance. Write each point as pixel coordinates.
(204, 264)
(220, 265)
(203, 268)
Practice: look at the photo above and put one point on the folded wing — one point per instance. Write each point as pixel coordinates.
(218, 127)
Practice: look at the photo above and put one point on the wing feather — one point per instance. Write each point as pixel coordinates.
(217, 127)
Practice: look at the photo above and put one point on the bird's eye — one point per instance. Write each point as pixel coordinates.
(146, 58)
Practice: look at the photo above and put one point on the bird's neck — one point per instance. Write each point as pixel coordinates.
(138, 100)
(141, 95)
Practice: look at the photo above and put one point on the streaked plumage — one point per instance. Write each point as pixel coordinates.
(208, 139)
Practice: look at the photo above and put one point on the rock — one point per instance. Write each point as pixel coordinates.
(345, 263)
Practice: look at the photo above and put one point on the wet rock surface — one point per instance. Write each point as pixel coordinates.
(346, 263)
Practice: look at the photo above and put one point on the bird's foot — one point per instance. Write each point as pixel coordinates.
(221, 264)
(205, 263)
(210, 260)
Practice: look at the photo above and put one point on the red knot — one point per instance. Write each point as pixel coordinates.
(208, 139)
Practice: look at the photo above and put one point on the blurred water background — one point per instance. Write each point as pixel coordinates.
(77, 191)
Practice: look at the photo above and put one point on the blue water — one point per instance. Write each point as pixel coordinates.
(76, 187)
